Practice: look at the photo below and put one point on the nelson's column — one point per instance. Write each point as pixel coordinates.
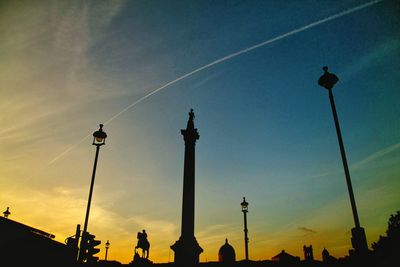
(186, 249)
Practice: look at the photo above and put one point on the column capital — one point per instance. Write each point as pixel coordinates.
(190, 134)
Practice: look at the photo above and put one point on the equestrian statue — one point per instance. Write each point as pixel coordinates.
(143, 243)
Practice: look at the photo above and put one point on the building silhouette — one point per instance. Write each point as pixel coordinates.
(23, 245)
(286, 258)
(187, 250)
(326, 257)
(226, 253)
(308, 253)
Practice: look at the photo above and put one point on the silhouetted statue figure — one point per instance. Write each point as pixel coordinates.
(143, 243)
(191, 115)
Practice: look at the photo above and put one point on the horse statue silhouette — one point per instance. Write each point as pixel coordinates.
(143, 243)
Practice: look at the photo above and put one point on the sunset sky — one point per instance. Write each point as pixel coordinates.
(266, 127)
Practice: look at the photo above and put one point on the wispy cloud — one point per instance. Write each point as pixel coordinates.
(370, 58)
(47, 74)
(376, 156)
(215, 234)
(306, 231)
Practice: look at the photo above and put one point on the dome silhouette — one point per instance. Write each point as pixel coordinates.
(226, 253)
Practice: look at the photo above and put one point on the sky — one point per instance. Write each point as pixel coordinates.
(249, 69)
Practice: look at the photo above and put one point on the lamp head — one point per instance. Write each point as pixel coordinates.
(327, 80)
(245, 205)
(99, 137)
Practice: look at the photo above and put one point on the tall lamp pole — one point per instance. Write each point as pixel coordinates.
(107, 247)
(99, 139)
(359, 240)
(245, 209)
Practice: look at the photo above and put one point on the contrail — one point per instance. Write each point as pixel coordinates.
(246, 50)
(225, 58)
(67, 150)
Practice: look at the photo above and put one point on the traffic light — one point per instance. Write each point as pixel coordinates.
(88, 248)
(72, 243)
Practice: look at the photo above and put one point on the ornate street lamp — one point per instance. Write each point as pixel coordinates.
(245, 209)
(7, 212)
(107, 247)
(358, 240)
(99, 139)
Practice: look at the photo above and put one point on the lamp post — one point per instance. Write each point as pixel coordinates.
(245, 209)
(107, 247)
(99, 139)
(7, 212)
(359, 240)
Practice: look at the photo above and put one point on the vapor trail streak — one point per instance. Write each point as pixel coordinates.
(225, 58)
(243, 51)
(67, 150)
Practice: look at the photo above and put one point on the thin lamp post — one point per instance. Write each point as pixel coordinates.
(107, 247)
(328, 80)
(245, 209)
(99, 139)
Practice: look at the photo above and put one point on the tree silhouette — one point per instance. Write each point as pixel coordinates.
(387, 246)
